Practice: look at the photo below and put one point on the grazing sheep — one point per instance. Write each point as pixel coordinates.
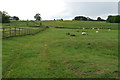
(84, 33)
(109, 29)
(93, 28)
(97, 31)
(83, 28)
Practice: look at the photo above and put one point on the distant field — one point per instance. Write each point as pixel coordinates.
(23, 24)
(53, 54)
(83, 24)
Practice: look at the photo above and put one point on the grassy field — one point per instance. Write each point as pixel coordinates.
(53, 54)
(83, 24)
(23, 24)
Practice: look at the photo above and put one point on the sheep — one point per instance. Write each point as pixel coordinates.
(109, 29)
(84, 33)
(83, 28)
(97, 31)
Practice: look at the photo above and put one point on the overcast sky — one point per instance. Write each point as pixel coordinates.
(57, 9)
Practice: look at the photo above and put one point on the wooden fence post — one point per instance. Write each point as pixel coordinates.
(15, 31)
(32, 32)
(19, 31)
(22, 32)
(40, 23)
(3, 33)
(25, 31)
(10, 32)
(29, 31)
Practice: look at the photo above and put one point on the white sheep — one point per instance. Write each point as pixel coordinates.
(84, 33)
(97, 31)
(109, 29)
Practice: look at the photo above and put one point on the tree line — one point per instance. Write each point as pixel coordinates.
(110, 19)
(5, 18)
(113, 19)
(83, 18)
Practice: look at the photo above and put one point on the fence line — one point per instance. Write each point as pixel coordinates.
(15, 31)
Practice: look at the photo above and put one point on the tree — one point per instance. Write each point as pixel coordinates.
(89, 19)
(37, 17)
(100, 19)
(5, 17)
(0, 17)
(113, 19)
(81, 18)
(61, 19)
(109, 18)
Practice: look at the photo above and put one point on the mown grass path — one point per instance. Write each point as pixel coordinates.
(53, 54)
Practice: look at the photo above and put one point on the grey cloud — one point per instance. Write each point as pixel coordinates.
(92, 8)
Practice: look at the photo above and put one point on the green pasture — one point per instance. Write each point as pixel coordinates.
(24, 24)
(81, 24)
(54, 54)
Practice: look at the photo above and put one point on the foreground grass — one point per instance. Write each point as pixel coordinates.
(53, 54)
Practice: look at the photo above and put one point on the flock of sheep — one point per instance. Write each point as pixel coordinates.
(84, 32)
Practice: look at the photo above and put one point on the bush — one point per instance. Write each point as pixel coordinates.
(81, 18)
(113, 19)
